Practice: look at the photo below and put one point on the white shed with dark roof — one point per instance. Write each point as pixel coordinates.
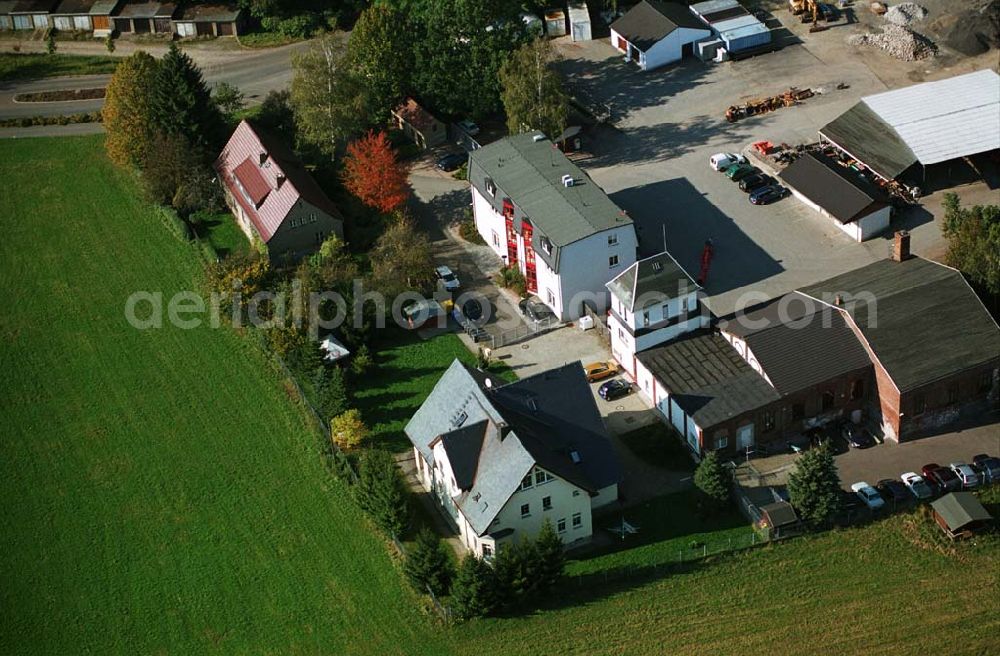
(654, 33)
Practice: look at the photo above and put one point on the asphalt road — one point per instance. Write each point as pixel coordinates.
(255, 72)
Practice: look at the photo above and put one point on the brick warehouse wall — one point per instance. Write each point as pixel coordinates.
(933, 407)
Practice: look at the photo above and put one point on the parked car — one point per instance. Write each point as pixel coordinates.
(868, 495)
(767, 195)
(943, 478)
(722, 161)
(966, 474)
(849, 501)
(797, 443)
(596, 371)
(534, 310)
(470, 128)
(740, 170)
(472, 309)
(917, 485)
(755, 181)
(857, 437)
(447, 278)
(614, 389)
(893, 490)
(988, 466)
(452, 161)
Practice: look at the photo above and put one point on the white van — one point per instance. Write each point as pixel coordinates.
(722, 161)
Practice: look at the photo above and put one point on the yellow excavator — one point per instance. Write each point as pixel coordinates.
(810, 7)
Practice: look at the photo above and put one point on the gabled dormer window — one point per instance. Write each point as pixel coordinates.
(491, 187)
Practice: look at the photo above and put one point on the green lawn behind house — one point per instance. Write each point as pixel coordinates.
(33, 66)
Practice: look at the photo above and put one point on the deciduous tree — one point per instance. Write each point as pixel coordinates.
(329, 102)
(348, 430)
(229, 99)
(973, 241)
(532, 91)
(373, 174)
(401, 260)
(275, 115)
(459, 48)
(177, 175)
(381, 491)
(814, 486)
(427, 564)
(381, 55)
(473, 592)
(127, 114)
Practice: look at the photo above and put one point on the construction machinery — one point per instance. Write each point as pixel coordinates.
(762, 106)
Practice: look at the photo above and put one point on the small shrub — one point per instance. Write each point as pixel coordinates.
(348, 430)
(511, 278)
(467, 230)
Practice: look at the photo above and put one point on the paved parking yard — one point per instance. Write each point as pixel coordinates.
(654, 164)
(890, 460)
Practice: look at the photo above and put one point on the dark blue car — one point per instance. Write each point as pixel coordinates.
(452, 161)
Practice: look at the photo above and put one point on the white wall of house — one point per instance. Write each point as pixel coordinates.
(665, 51)
(587, 265)
(584, 266)
(658, 397)
(622, 324)
(567, 501)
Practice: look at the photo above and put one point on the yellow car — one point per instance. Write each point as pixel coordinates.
(596, 371)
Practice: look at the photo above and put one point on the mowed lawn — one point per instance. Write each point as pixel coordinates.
(161, 491)
(881, 589)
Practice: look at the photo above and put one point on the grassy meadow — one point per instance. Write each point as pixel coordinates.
(162, 492)
(31, 66)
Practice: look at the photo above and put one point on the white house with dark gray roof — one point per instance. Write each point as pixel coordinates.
(652, 302)
(502, 458)
(539, 212)
(653, 33)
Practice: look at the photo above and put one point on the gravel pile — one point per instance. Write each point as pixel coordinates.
(905, 14)
(897, 41)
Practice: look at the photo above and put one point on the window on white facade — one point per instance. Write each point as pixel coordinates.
(525, 509)
(550, 297)
(546, 503)
(526, 482)
(541, 477)
(491, 187)
(496, 239)
(561, 525)
(612, 261)
(487, 551)
(612, 239)
(621, 334)
(577, 520)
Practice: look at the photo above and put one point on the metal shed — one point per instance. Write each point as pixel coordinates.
(960, 514)
(579, 21)
(742, 33)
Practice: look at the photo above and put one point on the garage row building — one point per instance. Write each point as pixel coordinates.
(103, 17)
(903, 343)
(543, 215)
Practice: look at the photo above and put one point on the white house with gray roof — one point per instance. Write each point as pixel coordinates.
(539, 212)
(652, 302)
(502, 458)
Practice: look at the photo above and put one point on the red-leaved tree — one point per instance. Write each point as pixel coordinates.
(372, 173)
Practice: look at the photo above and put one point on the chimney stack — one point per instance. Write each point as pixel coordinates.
(279, 180)
(263, 158)
(901, 246)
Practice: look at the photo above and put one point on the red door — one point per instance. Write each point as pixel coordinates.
(508, 213)
(530, 279)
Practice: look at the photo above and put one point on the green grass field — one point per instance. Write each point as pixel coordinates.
(161, 492)
(31, 66)
(880, 589)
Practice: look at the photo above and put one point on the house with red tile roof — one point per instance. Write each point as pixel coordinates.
(419, 125)
(274, 199)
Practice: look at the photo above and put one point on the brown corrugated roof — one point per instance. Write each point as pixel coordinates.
(844, 194)
(415, 115)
